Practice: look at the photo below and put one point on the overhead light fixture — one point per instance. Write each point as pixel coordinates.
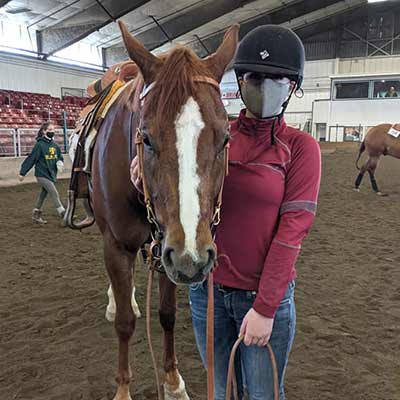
(376, 1)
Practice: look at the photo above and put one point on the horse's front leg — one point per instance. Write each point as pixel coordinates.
(119, 263)
(174, 386)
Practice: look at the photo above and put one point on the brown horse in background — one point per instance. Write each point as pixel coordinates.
(176, 105)
(377, 142)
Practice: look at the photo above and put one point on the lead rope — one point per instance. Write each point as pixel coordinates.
(148, 332)
(210, 282)
(210, 338)
(231, 379)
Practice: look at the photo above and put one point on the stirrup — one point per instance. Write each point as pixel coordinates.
(69, 214)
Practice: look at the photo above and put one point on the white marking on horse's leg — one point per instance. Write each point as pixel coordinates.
(189, 123)
(176, 393)
(135, 305)
(111, 307)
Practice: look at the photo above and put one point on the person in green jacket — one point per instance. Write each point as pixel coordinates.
(47, 159)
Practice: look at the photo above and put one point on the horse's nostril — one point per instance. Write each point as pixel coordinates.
(167, 256)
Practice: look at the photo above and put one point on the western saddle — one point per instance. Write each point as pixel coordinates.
(103, 92)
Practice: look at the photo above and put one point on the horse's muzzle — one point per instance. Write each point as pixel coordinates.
(183, 269)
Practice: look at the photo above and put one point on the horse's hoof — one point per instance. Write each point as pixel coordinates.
(382, 194)
(123, 398)
(110, 316)
(123, 393)
(178, 393)
(356, 190)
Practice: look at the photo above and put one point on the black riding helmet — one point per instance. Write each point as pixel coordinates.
(273, 50)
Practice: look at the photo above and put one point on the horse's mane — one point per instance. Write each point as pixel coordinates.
(174, 85)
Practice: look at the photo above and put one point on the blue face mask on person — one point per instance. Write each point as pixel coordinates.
(264, 97)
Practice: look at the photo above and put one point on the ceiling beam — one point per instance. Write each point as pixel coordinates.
(164, 32)
(331, 22)
(275, 17)
(77, 27)
(4, 2)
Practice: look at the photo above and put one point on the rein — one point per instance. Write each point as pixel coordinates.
(154, 264)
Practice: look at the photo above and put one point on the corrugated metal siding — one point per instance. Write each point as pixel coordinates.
(319, 50)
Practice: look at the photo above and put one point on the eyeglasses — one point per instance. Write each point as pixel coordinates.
(256, 78)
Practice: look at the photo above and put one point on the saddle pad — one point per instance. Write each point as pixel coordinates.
(115, 92)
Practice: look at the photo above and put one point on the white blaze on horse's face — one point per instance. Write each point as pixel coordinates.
(189, 124)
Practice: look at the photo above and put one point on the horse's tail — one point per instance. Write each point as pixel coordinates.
(362, 149)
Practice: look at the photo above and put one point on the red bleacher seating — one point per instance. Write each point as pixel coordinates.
(21, 109)
(25, 112)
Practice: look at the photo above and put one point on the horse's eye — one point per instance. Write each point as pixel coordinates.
(147, 143)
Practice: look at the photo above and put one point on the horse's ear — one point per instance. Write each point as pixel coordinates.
(147, 62)
(218, 61)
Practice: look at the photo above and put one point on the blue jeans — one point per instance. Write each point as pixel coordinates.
(252, 364)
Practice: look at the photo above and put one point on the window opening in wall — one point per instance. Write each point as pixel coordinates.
(351, 90)
(353, 133)
(386, 88)
(321, 132)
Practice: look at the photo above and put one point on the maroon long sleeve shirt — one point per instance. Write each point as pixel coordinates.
(269, 203)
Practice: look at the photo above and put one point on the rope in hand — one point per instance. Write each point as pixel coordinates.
(231, 379)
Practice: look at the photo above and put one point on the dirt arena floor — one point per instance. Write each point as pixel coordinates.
(55, 343)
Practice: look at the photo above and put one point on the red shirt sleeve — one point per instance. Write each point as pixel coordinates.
(296, 218)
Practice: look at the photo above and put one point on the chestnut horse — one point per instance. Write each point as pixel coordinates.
(176, 105)
(377, 142)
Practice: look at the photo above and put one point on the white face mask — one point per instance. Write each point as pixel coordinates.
(264, 97)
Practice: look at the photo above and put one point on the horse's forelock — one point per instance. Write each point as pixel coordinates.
(174, 85)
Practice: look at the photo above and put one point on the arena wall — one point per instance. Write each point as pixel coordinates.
(30, 75)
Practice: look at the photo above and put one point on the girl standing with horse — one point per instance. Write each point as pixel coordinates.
(269, 203)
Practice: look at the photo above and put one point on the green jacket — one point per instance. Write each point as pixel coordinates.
(44, 157)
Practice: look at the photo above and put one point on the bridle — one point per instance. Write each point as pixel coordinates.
(154, 262)
(157, 233)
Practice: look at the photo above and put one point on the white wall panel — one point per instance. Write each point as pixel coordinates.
(366, 112)
(371, 65)
(21, 74)
(320, 68)
(321, 112)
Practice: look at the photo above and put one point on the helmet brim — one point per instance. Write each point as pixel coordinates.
(266, 69)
